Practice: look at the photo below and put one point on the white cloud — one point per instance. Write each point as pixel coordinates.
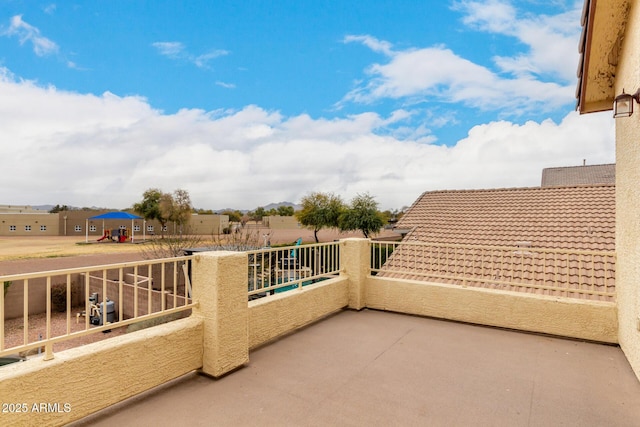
(202, 61)
(49, 9)
(85, 150)
(551, 39)
(226, 85)
(540, 78)
(492, 15)
(172, 50)
(42, 46)
(178, 51)
(438, 73)
(371, 42)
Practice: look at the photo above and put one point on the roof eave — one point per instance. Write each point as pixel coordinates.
(603, 27)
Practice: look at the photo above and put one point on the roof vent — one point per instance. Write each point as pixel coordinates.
(522, 246)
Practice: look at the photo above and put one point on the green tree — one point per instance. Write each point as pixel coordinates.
(285, 211)
(320, 210)
(234, 216)
(58, 208)
(149, 207)
(362, 214)
(258, 214)
(176, 207)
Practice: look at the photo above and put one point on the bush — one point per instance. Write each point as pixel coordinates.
(59, 297)
(6, 286)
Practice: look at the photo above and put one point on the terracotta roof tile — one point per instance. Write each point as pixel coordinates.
(580, 217)
(579, 175)
(524, 227)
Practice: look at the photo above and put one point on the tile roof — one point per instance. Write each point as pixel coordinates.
(526, 221)
(579, 175)
(580, 217)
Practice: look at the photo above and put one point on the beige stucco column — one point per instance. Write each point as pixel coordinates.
(355, 255)
(220, 287)
(628, 196)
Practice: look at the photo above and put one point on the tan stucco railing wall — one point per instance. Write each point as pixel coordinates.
(583, 319)
(83, 380)
(272, 317)
(224, 327)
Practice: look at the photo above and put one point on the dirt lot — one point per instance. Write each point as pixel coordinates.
(30, 254)
(34, 254)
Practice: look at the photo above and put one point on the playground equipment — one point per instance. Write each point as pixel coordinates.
(106, 235)
(113, 216)
(118, 235)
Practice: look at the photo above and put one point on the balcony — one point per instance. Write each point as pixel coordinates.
(378, 368)
(362, 365)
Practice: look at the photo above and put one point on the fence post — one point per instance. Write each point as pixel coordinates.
(355, 256)
(219, 281)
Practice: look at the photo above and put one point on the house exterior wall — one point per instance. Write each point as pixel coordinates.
(74, 223)
(28, 224)
(277, 222)
(19, 209)
(208, 224)
(628, 196)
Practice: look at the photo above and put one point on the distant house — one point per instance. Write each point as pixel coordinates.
(579, 175)
(470, 233)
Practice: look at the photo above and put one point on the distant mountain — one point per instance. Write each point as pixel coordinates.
(73, 208)
(43, 207)
(266, 207)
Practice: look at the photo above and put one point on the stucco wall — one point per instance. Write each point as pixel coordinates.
(14, 306)
(556, 316)
(281, 222)
(64, 224)
(628, 196)
(80, 379)
(288, 311)
(35, 222)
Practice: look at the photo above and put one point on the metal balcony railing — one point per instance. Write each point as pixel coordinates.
(93, 299)
(568, 273)
(276, 270)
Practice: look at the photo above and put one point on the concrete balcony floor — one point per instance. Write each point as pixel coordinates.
(376, 368)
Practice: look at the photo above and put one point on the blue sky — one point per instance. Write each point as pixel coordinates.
(252, 102)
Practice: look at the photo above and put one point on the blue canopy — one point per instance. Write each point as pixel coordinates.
(112, 215)
(116, 215)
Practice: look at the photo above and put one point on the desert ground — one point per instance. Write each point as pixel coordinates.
(30, 254)
(34, 254)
